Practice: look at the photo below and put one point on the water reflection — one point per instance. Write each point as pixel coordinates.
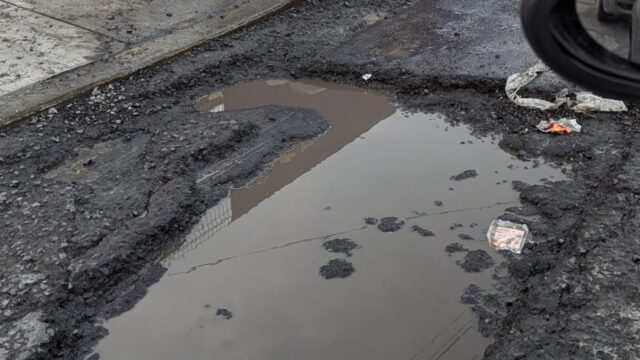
(351, 113)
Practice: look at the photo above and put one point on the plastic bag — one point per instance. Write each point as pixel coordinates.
(505, 235)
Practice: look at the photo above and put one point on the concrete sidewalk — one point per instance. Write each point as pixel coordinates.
(53, 51)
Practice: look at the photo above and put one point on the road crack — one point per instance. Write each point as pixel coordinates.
(297, 242)
(419, 214)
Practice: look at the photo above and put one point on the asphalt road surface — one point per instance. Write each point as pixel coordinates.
(94, 193)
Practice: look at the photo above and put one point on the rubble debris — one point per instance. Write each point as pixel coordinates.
(366, 77)
(337, 268)
(344, 246)
(467, 174)
(422, 231)
(455, 226)
(476, 261)
(506, 235)
(370, 221)
(471, 295)
(390, 224)
(224, 313)
(455, 247)
(28, 333)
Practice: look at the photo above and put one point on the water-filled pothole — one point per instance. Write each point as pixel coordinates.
(258, 257)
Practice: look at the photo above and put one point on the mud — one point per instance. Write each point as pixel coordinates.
(390, 224)
(337, 268)
(455, 247)
(371, 221)
(472, 294)
(467, 174)
(343, 246)
(422, 231)
(224, 313)
(476, 261)
(572, 294)
(455, 226)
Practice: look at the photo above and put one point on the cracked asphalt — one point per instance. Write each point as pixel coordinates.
(94, 192)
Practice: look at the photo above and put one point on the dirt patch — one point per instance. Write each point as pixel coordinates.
(465, 237)
(467, 174)
(476, 261)
(390, 224)
(343, 246)
(455, 247)
(422, 231)
(337, 268)
(224, 313)
(371, 221)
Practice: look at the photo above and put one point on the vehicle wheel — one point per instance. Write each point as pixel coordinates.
(603, 15)
(555, 34)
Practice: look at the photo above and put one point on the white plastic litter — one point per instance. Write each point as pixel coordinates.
(584, 101)
(505, 235)
(366, 77)
(562, 126)
(516, 82)
(588, 102)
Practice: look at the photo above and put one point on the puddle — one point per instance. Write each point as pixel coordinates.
(246, 283)
(336, 104)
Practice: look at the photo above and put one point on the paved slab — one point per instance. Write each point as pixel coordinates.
(58, 50)
(132, 20)
(29, 54)
(447, 40)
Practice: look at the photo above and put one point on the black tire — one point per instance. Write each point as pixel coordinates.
(555, 33)
(603, 15)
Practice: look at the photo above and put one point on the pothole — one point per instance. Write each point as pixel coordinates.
(264, 253)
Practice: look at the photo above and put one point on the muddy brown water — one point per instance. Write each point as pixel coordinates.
(258, 252)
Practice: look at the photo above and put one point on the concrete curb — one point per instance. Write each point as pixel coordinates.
(65, 86)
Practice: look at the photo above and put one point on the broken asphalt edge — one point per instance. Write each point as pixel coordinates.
(73, 83)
